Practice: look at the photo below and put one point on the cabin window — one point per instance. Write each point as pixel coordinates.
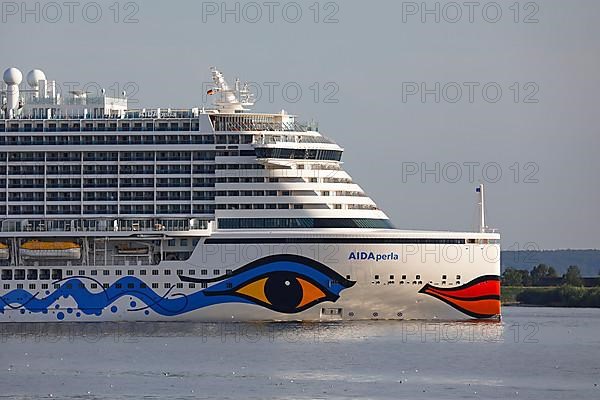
(167, 272)
(118, 272)
(203, 272)
(154, 272)
(155, 285)
(19, 274)
(443, 276)
(192, 272)
(105, 272)
(376, 276)
(57, 274)
(44, 274)
(418, 277)
(216, 272)
(69, 272)
(94, 272)
(7, 274)
(32, 274)
(81, 272)
(130, 272)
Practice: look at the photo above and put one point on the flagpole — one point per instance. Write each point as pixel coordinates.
(482, 226)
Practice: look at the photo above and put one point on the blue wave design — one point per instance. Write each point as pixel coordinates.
(168, 304)
(94, 303)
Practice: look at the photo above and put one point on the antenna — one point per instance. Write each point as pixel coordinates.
(480, 190)
(227, 100)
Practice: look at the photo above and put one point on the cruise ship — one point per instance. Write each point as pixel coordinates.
(213, 213)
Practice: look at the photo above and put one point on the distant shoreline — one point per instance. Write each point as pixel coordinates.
(553, 296)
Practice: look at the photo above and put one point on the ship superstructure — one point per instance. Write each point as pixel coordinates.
(207, 214)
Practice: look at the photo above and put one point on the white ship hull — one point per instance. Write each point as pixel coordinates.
(383, 281)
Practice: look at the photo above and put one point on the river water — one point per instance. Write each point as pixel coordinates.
(534, 353)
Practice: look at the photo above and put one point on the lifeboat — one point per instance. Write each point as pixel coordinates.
(39, 249)
(4, 252)
(126, 250)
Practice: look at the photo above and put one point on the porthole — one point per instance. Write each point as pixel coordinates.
(351, 314)
(376, 314)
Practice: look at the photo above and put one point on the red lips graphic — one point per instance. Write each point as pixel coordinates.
(479, 298)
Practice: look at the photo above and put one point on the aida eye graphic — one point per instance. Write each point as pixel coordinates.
(282, 283)
(286, 292)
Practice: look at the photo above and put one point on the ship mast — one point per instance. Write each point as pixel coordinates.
(480, 190)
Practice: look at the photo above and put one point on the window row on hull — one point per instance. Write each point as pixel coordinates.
(299, 154)
(275, 223)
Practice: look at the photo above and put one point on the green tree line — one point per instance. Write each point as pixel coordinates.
(535, 277)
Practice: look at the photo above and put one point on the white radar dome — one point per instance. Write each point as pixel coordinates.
(13, 76)
(34, 77)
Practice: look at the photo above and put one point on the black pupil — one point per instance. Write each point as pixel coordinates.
(283, 291)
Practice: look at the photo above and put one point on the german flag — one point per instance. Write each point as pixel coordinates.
(479, 298)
